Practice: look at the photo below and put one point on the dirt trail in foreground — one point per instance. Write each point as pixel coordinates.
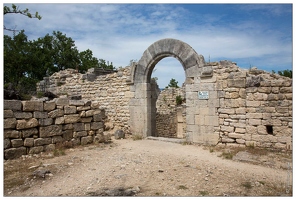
(147, 168)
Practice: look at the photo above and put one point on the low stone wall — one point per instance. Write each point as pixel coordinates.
(31, 127)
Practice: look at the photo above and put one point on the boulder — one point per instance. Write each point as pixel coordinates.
(119, 134)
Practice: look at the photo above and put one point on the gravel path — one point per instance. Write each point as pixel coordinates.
(149, 168)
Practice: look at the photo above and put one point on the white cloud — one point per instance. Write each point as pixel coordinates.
(121, 32)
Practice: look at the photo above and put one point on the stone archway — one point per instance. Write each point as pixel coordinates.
(142, 106)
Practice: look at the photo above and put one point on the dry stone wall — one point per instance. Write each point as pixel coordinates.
(255, 106)
(248, 107)
(170, 117)
(111, 90)
(31, 127)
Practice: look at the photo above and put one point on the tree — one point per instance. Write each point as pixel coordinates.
(15, 10)
(286, 73)
(27, 62)
(173, 83)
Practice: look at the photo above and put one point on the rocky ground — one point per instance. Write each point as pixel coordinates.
(130, 167)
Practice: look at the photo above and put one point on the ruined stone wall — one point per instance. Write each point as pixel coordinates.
(170, 117)
(255, 106)
(31, 127)
(246, 106)
(111, 90)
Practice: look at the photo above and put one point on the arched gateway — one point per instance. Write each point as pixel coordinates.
(198, 79)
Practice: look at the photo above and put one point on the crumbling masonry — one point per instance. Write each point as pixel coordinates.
(223, 103)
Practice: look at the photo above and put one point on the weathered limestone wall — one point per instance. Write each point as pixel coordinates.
(255, 107)
(111, 90)
(245, 107)
(170, 117)
(31, 127)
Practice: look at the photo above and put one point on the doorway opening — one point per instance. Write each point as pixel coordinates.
(170, 104)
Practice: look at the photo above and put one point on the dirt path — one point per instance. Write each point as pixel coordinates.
(146, 168)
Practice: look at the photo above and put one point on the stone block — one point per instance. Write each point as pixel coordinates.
(211, 120)
(79, 134)
(74, 118)
(76, 141)
(10, 133)
(6, 144)
(81, 108)
(40, 115)
(206, 139)
(79, 127)
(231, 95)
(25, 124)
(29, 142)
(89, 113)
(242, 93)
(254, 122)
(59, 120)
(261, 130)
(56, 113)
(9, 123)
(67, 127)
(8, 114)
(87, 126)
(32, 105)
(286, 90)
(237, 83)
(254, 115)
(95, 105)
(229, 111)
(62, 101)
(86, 119)
(250, 143)
(86, 140)
(57, 139)
(69, 110)
(67, 135)
(49, 105)
(240, 141)
(76, 103)
(36, 150)
(228, 129)
(253, 103)
(28, 132)
(22, 115)
(289, 96)
(280, 146)
(235, 135)
(45, 122)
(17, 143)
(119, 134)
(50, 147)
(42, 141)
(227, 140)
(266, 90)
(96, 125)
(13, 153)
(251, 129)
(272, 97)
(240, 130)
(48, 131)
(14, 105)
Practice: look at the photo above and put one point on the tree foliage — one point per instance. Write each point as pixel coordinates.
(286, 73)
(27, 62)
(173, 83)
(15, 10)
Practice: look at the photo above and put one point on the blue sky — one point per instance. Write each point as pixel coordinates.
(249, 34)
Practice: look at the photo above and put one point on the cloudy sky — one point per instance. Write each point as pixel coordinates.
(249, 34)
